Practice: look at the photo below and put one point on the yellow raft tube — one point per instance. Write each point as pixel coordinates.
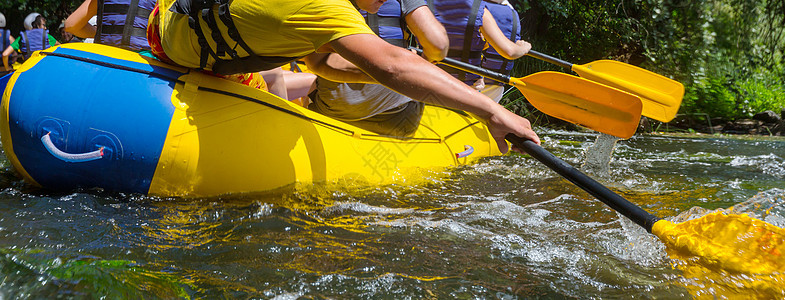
(125, 122)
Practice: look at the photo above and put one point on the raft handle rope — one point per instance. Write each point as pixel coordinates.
(70, 157)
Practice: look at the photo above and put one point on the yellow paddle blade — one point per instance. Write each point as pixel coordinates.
(733, 256)
(661, 96)
(583, 102)
(735, 243)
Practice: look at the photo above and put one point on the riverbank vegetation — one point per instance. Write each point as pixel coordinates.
(727, 53)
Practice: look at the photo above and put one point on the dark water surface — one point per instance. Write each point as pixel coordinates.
(506, 227)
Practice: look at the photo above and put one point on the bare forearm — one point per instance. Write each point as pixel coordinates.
(508, 49)
(336, 68)
(7, 52)
(515, 50)
(77, 22)
(86, 31)
(430, 33)
(414, 77)
(408, 74)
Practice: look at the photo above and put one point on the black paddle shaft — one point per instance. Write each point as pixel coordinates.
(616, 202)
(550, 59)
(469, 68)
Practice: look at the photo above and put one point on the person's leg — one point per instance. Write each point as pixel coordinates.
(298, 84)
(402, 123)
(373, 107)
(276, 83)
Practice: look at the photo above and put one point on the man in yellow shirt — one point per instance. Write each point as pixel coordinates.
(253, 35)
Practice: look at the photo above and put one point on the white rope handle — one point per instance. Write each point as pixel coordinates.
(70, 157)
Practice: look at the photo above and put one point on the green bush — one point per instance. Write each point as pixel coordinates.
(730, 96)
(764, 90)
(727, 53)
(711, 96)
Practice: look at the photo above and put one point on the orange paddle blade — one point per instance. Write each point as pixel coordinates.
(583, 102)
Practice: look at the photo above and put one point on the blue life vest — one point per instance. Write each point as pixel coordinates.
(123, 23)
(509, 22)
(387, 23)
(33, 40)
(5, 36)
(462, 20)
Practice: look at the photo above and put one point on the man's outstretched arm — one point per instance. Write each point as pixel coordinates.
(410, 75)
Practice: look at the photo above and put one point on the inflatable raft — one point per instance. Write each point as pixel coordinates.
(89, 115)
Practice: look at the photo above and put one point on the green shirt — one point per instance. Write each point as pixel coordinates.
(15, 44)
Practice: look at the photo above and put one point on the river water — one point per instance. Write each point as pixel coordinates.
(503, 228)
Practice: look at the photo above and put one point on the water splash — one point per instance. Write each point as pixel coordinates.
(770, 164)
(598, 156)
(768, 206)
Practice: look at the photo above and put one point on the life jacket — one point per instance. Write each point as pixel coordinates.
(227, 60)
(388, 23)
(123, 23)
(5, 36)
(462, 20)
(33, 40)
(507, 19)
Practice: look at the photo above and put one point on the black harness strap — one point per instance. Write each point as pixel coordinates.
(204, 10)
(129, 22)
(468, 35)
(5, 36)
(26, 41)
(99, 26)
(221, 47)
(250, 63)
(494, 56)
(373, 21)
(193, 22)
(26, 51)
(397, 23)
(226, 18)
(390, 22)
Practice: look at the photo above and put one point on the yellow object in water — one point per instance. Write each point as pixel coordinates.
(736, 243)
(735, 253)
(731, 255)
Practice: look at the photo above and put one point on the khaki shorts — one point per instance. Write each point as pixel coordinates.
(400, 121)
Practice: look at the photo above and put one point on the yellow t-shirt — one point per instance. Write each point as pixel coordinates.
(286, 28)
